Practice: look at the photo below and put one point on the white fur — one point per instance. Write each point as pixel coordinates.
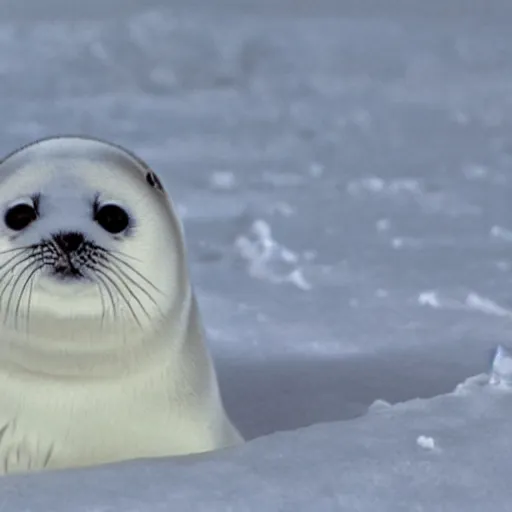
(79, 386)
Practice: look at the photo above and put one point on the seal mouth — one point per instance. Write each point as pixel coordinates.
(69, 246)
(65, 267)
(63, 271)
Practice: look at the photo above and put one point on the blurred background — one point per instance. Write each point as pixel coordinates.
(342, 169)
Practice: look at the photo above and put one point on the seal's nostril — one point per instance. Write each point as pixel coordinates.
(70, 241)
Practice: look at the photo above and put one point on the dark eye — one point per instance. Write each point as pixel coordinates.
(112, 218)
(20, 216)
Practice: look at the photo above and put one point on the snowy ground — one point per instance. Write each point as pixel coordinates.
(343, 169)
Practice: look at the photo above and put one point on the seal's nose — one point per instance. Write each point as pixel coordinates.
(70, 241)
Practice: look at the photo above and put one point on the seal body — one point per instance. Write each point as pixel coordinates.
(102, 352)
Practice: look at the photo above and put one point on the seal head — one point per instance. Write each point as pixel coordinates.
(86, 219)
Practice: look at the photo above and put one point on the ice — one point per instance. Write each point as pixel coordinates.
(501, 233)
(501, 371)
(485, 305)
(429, 298)
(267, 259)
(428, 443)
(223, 180)
(472, 302)
(342, 170)
(402, 186)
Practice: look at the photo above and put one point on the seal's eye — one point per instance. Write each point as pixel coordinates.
(112, 218)
(20, 216)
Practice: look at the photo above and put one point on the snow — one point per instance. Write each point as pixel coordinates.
(343, 172)
(426, 442)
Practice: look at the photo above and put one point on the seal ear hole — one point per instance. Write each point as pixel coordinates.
(20, 216)
(112, 218)
(154, 181)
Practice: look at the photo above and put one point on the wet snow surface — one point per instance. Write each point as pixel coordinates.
(343, 171)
